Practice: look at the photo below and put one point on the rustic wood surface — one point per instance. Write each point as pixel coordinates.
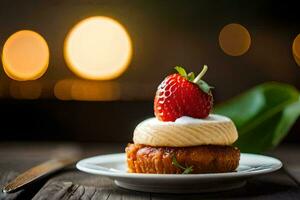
(73, 184)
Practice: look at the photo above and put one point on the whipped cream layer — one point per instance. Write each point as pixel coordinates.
(186, 131)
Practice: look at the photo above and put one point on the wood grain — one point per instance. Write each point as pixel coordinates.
(7, 176)
(69, 190)
(73, 184)
(37, 172)
(76, 185)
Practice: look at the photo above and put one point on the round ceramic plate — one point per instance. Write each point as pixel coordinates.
(114, 167)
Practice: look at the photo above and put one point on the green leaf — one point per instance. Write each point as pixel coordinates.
(186, 170)
(181, 71)
(263, 115)
(197, 80)
(204, 86)
(191, 76)
(176, 164)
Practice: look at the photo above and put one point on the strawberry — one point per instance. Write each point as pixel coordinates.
(182, 94)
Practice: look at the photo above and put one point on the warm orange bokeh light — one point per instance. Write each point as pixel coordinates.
(85, 90)
(95, 91)
(234, 39)
(62, 89)
(25, 90)
(98, 48)
(296, 49)
(25, 56)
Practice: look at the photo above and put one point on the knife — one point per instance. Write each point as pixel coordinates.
(36, 173)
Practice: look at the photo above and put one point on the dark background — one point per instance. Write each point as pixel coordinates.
(164, 34)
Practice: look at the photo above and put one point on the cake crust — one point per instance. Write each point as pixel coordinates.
(203, 158)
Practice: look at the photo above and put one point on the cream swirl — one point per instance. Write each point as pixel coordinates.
(186, 131)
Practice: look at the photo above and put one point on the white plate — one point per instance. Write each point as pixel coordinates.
(114, 167)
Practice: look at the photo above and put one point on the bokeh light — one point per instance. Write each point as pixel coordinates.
(25, 56)
(62, 89)
(98, 48)
(85, 90)
(296, 49)
(25, 90)
(234, 39)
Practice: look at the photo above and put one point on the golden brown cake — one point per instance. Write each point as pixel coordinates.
(202, 159)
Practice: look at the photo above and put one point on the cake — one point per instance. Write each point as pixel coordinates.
(183, 137)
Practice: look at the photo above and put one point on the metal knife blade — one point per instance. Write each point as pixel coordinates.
(36, 173)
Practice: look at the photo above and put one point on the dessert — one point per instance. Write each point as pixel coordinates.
(183, 137)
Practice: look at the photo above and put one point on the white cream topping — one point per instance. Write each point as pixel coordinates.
(186, 131)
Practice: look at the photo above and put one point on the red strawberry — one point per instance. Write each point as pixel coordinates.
(182, 94)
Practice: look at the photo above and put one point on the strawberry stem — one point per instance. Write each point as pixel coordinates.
(201, 74)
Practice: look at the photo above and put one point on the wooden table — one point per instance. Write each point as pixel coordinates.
(73, 184)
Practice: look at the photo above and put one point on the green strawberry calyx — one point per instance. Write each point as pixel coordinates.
(197, 80)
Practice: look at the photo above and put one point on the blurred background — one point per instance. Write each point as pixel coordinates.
(52, 90)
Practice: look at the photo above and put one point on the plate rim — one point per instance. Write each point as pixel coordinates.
(80, 166)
